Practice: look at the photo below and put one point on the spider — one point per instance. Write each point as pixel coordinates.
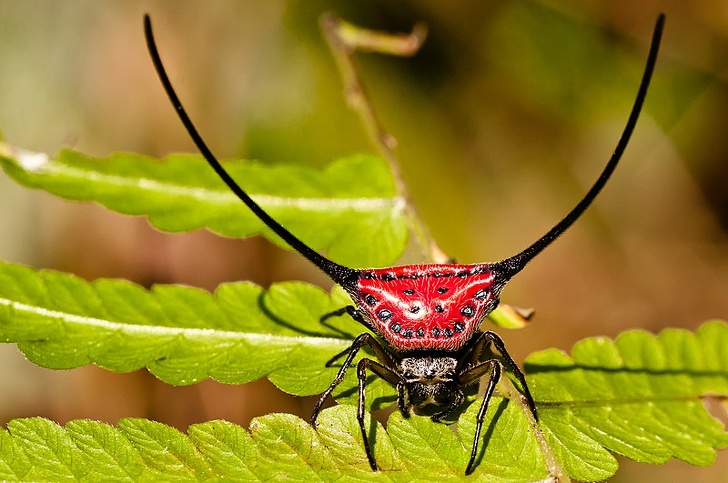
(423, 319)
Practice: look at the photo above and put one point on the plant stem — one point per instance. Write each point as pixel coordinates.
(344, 39)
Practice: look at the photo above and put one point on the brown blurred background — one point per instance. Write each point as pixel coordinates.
(503, 121)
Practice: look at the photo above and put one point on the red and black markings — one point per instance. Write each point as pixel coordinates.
(415, 307)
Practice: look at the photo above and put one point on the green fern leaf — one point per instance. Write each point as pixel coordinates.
(350, 209)
(181, 334)
(639, 396)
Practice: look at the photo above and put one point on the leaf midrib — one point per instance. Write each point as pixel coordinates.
(284, 340)
(225, 196)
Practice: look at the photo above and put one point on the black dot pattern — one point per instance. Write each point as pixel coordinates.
(385, 314)
(481, 294)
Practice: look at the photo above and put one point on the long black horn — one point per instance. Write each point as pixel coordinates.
(340, 274)
(505, 269)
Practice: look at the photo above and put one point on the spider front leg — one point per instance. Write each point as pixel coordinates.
(474, 370)
(359, 342)
(517, 372)
(381, 370)
(361, 371)
(350, 310)
(468, 377)
(483, 340)
(402, 399)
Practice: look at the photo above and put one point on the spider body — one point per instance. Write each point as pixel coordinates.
(426, 318)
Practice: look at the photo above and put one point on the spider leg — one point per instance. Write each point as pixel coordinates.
(472, 354)
(338, 356)
(364, 339)
(361, 371)
(351, 352)
(402, 399)
(498, 343)
(468, 377)
(473, 370)
(349, 309)
(379, 352)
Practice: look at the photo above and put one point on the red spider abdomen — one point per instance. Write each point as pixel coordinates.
(436, 307)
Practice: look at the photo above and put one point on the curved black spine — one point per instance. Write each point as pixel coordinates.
(505, 269)
(340, 274)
